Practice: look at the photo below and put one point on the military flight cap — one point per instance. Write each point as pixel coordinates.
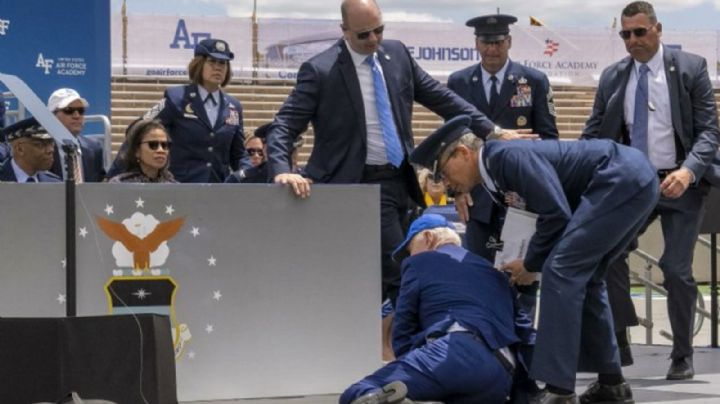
(427, 152)
(215, 48)
(425, 222)
(29, 128)
(493, 27)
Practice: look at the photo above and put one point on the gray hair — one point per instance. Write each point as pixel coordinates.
(640, 7)
(443, 235)
(468, 140)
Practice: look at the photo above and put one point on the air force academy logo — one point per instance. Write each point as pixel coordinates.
(141, 281)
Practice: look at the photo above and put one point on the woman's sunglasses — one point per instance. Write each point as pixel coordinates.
(252, 151)
(154, 144)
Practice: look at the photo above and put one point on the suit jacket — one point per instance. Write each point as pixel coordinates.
(694, 113)
(555, 176)
(512, 112)
(93, 160)
(328, 94)
(201, 151)
(7, 174)
(451, 285)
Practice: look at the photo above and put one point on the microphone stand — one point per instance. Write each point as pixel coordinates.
(70, 150)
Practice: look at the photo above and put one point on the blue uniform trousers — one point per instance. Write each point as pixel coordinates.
(456, 369)
(573, 290)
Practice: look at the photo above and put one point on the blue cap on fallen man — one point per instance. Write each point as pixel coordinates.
(425, 222)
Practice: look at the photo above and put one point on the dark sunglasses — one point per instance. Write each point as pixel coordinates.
(72, 110)
(154, 144)
(252, 151)
(638, 32)
(366, 34)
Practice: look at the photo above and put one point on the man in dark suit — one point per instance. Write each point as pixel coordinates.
(32, 153)
(358, 95)
(591, 198)
(512, 96)
(454, 332)
(660, 100)
(69, 108)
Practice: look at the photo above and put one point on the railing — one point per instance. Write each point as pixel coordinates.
(645, 278)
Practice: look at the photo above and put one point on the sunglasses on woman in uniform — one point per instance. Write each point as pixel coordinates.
(154, 144)
(253, 151)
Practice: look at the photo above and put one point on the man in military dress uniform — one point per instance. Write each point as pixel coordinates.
(514, 97)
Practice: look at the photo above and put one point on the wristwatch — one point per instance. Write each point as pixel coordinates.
(495, 134)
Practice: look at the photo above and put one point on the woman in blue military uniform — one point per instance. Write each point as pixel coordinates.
(204, 122)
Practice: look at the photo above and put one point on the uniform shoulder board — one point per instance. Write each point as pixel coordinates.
(155, 110)
(551, 102)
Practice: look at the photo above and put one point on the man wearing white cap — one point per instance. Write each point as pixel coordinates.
(69, 108)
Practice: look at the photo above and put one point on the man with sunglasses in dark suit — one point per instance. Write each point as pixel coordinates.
(69, 108)
(660, 100)
(359, 96)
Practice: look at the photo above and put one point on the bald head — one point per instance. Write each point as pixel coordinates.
(362, 25)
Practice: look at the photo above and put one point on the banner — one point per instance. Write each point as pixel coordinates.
(162, 46)
(69, 47)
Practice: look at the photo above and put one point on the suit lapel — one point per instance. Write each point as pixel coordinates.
(352, 84)
(197, 107)
(508, 89)
(389, 72)
(478, 90)
(672, 78)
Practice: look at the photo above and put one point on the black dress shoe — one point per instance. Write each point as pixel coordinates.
(681, 369)
(546, 397)
(626, 358)
(598, 393)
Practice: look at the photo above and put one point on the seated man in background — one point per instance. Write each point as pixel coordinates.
(32, 153)
(69, 108)
(453, 332)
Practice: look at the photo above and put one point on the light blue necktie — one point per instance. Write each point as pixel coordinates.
(393, 149)
(639, 135)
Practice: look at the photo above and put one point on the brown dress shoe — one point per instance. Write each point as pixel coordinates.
(681, 369)
(598, 393)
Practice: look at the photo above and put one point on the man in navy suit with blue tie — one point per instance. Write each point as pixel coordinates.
(359, 95)
(660, 101)
(591, 198)
(513, 96)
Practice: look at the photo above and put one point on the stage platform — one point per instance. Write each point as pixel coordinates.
(646, 376)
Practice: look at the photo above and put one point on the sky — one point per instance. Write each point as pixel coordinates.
(673, 14)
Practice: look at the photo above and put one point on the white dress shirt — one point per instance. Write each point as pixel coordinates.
(376, 154)
(661, 135)
(487, 81)
(21, 175)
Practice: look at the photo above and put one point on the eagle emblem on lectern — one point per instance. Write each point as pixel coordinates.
(140, 247)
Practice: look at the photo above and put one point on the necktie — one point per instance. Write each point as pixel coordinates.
(393, 149)
(31, 179)
(78, 169)
(493, 92)
(638, 137)
(211, 99)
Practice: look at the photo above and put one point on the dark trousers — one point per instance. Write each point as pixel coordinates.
(394, 207)
(680, 220)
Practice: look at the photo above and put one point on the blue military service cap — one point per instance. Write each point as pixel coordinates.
(29, 128)
(215, 48)
(427, 152)
(493, 27)
(425, 222)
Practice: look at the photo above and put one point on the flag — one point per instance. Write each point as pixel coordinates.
(551, 47)
(535, 22)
